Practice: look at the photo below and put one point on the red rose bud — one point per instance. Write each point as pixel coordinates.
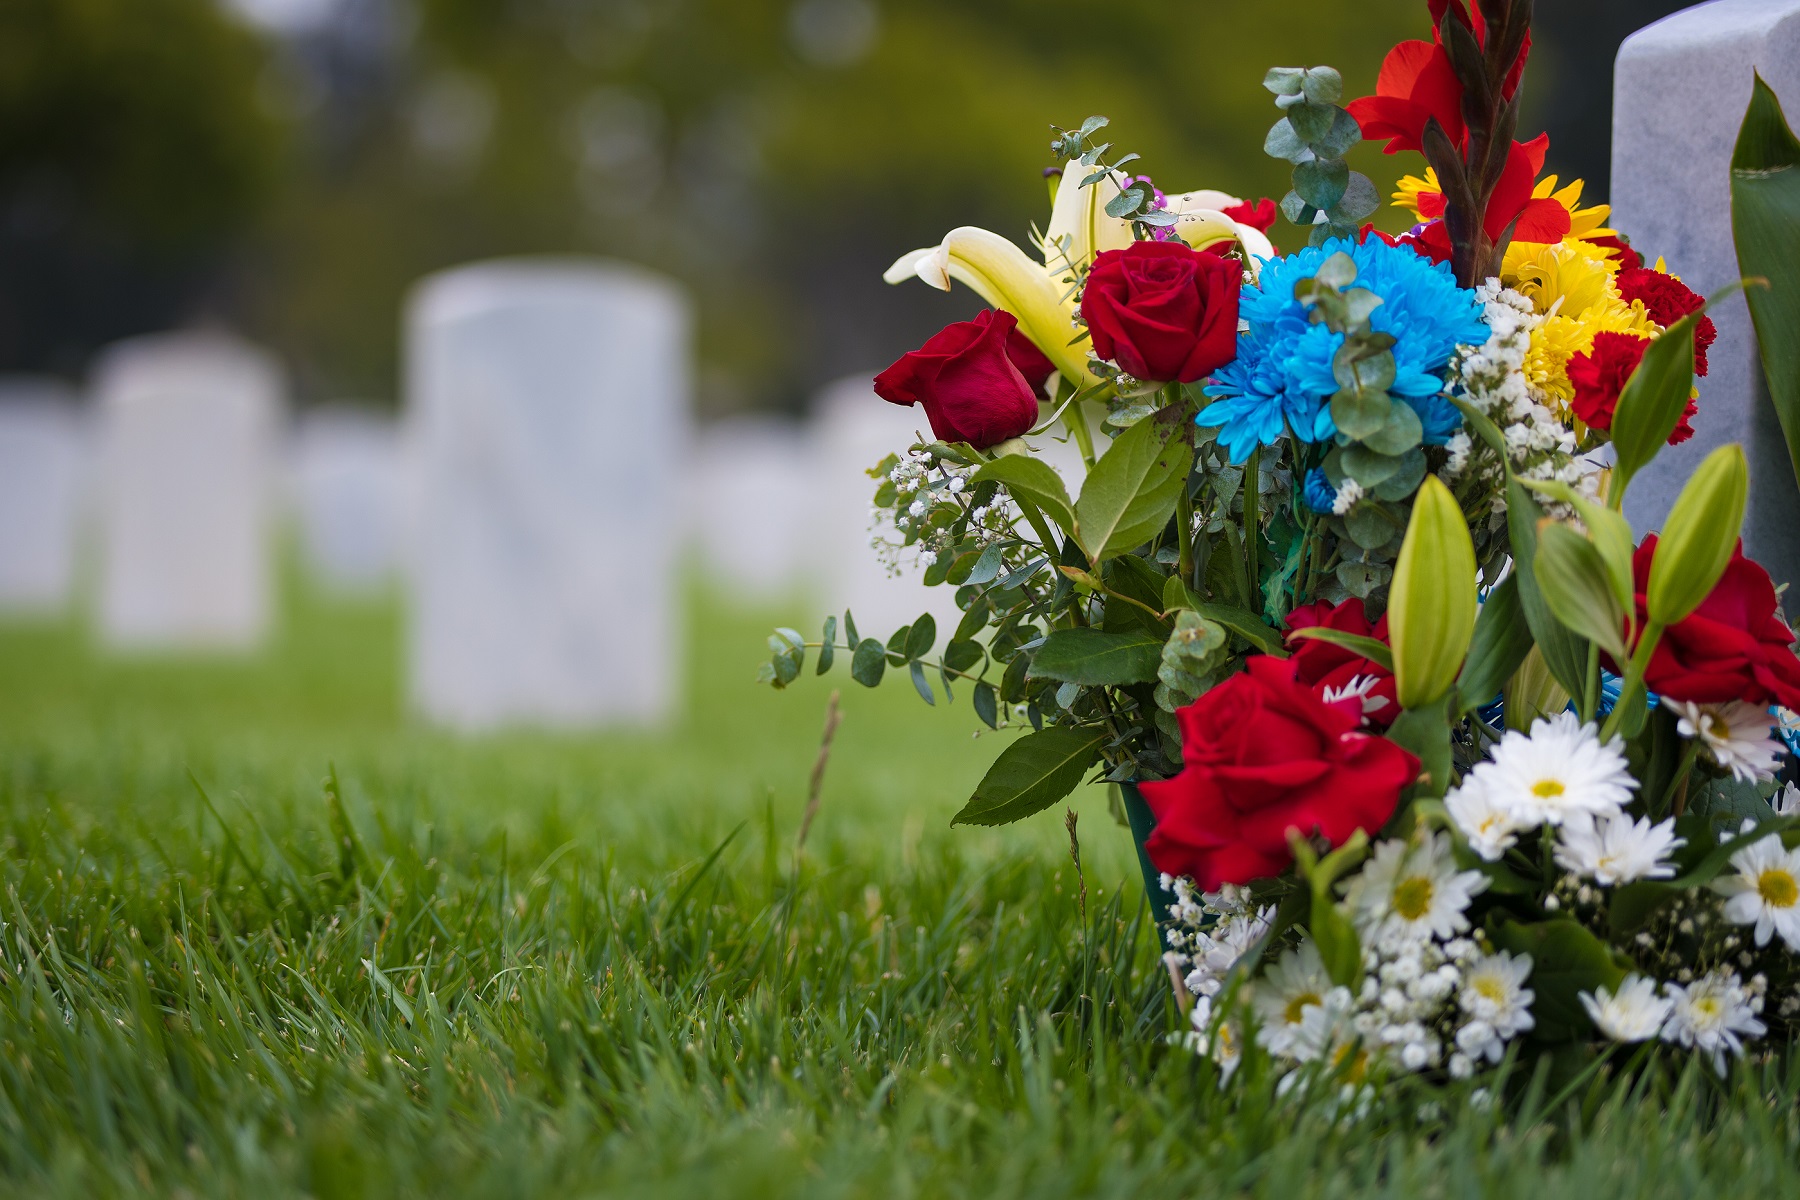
(1264, 754)
(970, 388)
(1162, 312)
(1328, 668)
(1667, 300)
(1599, 376)
(1735, 646)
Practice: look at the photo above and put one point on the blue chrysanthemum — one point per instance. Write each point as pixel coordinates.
(1282, 373)
(1318, 493)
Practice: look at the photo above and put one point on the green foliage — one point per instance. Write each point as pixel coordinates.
(1765, 222)
(1501, 640)
(1566, 960)
(1030, 775)
(1095, 658)
(1134, 488)
(1191, 660)
(1328, 199)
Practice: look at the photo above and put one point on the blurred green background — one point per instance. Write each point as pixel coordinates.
(290, 167)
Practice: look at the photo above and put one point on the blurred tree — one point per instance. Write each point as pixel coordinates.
(134, 148)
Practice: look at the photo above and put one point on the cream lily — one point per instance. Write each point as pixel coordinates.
(1041, 294)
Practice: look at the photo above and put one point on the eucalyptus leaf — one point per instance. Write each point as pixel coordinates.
(869, 662)
(1359, 414)
(1401, 433)
(1321, 183)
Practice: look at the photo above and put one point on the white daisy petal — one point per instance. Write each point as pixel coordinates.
(1713, 1015)
(1735, 734)
(1612, 849)
(1635, 1014)
(1765, 892)
(1562, 768)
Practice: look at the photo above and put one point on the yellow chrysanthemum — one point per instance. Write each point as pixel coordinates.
(1410, 188)
(1579, 298)
(1584, 223)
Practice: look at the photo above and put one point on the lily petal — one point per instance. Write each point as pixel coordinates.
(1079, 213)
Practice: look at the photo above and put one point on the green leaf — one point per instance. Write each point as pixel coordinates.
(1245, 624)
(919, 638)
(1370, 526)
(987, 566)
(1321, 184)
(1368, 467)
(1032, 774)
(987, 705)
(1094, 658)
(961, 655)
(850, 635)
(1401, 433)
(1765, 222)
(1359, 202)
(1610, 532)
(1345, 133)
(1283, 143)
(828, 645)
(1564, 653)
(919, 682)
(1566, 960)
(1376, 652)
(787, 651)
(1033, 480)
(1579, 590)
(1426, 732)
(1653, 399)
(869, 662)
(1502, 640)
(1133, 490)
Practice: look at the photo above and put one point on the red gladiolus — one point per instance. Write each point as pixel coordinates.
(1600, 375)
(1265, 755)
(1323, 666)
(1735, 646)
(1536, 219)
(970, 388)
(1667, 300)
(1163, 312)
(1417, 83)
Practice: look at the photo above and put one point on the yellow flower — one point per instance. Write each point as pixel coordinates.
(1412, 187)
(1583, 222)
(1576, 293)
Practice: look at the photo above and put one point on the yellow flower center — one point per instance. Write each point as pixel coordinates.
(1412, 897)
(1548, 789)
(1489, 988)
(1717, 727)
(1297, 1006)
(1777, 888)
(1355, 1069)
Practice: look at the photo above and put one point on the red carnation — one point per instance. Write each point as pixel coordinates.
(1265, 755)
(1735, 646)
(1667, 300)
(1323, 666)
(1599, 376)
(970, 389)
(1162, 311)
(1629, 259)
(1260, 214)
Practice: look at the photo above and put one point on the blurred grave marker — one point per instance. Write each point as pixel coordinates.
(187, 432)
(1680, 88)
(752, 507)
(547, 404)
(43, 461)
(347, 487)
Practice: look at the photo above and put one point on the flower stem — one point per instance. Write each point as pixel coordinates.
(1076, 419)
(1252, 522)
(1634, 677)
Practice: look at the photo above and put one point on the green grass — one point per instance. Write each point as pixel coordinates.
(555, 966)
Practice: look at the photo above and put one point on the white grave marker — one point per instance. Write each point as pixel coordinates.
(347, 488)
(547, 401)
(43, 453)
(752, 508)
(187, 429)
(1680, 90)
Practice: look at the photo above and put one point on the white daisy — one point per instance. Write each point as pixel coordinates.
(1215, 1037)
(1766, 890)
(1411, 891)
(1494, 994)
(1324, 1029)
(1489, 828)
(1560, 769)
(1613, 849)
(1635, 1014)
(1735, 734)
(1297, 982)
(1787, 802)
(1710, 1014)
(1358, 689)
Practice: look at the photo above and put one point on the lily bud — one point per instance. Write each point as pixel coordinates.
(1699, 536)
(1432, 602)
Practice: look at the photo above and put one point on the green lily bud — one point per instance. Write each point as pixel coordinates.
(1698, 538)
(1432, 602)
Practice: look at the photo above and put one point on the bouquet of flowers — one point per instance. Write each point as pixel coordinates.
(1427, 754)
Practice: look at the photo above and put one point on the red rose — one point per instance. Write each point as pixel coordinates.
(1265, 755)
(1600, 374)
(1163, 312)
(1667, 300)
(1733, 647)
(1031, 362)
(971, 390)
(1320, 665)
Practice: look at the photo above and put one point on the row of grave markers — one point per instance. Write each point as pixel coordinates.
(540, 483)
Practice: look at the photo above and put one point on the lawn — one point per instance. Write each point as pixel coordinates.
(263, 935)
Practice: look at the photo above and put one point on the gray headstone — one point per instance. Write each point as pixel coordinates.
(752, 507)
(547, 402)
(346, 491)
(1680, 90)
(187, 429)
(43, 460)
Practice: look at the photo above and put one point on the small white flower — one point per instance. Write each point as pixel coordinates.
(1324, 1028)
(1411, 891)
(1489, 827)
(1359, 688)
(916, 509)
(1612, 849)
(1215, 1037)
(1348, 493)
(1787, 803)
(1562, 768)
(927, 558)
(1494, 992)
(1766, 891)
(1710, 1014)
(1635, 1014)
(1461, 1066)
(958, 483)
(1735, 734)
(1297, 982)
